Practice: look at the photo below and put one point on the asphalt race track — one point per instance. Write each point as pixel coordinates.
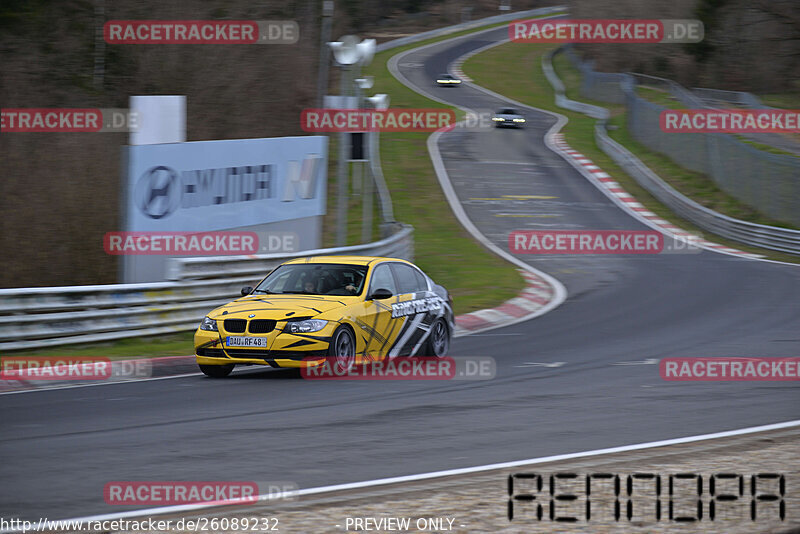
(60, 447)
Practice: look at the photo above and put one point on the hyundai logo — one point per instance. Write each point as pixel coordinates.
(158, 192)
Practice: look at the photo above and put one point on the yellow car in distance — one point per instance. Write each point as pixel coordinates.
(447, 80)
(351, 308)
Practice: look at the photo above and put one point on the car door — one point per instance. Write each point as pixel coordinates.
(377, 325)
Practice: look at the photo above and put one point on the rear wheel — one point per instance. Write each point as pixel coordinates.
(343, 349)
(217, 371)
(438, 340)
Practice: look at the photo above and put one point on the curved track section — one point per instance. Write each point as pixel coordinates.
(60, 447)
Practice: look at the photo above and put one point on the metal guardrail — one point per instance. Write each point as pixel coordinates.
(769, 237)
(561, 98)
(50, 316)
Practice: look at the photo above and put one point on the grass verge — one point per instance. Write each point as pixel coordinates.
(782, 100)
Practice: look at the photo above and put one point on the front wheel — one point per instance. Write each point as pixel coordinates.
(217, 371)
(343, 349)
(438, 339)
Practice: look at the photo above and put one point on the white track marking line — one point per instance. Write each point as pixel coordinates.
(648, 361)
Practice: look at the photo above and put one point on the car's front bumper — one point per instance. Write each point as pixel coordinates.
(285, 350)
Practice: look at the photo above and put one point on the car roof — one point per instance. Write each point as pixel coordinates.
(345, 260)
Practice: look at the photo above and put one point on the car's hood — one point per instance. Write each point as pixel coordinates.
(504, 116)
(279, 306)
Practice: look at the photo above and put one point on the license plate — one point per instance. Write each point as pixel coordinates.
(245, 341)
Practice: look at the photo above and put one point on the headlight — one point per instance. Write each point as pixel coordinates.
(519, 120)
(497, 119)
(305, 327)
(208, 324)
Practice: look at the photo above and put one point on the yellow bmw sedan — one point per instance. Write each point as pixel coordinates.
(352, 308)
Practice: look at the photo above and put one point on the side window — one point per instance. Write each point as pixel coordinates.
(382, 278)
(422, 282)
(408, 279)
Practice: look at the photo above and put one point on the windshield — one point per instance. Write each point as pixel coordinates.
(508, 111)
(315, 279)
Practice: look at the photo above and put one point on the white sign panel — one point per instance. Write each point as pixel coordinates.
(214, 185)
(159, 119)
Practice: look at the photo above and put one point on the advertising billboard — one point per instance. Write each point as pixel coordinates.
(270, 190)
(214, 185)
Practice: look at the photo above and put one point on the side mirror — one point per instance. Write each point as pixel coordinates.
(246, 290)
(380, 294)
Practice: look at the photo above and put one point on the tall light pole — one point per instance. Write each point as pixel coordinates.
(349, 52)
(322, 76)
